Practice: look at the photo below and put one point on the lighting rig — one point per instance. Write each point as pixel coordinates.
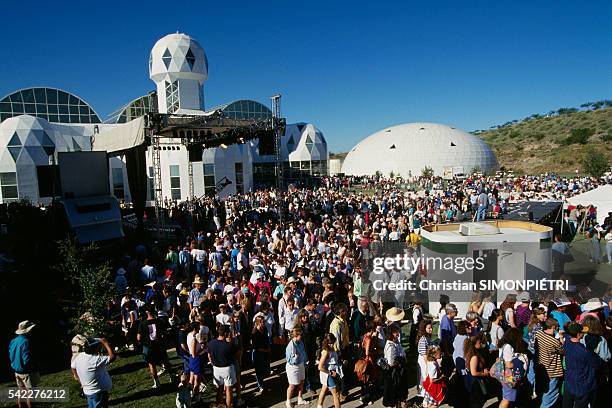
(198, 132)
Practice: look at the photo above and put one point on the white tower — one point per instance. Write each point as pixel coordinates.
(179, 67)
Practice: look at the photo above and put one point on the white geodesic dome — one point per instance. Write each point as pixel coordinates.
(406, 149)
(178, 56)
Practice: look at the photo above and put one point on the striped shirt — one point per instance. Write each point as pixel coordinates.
(549, 351)
(423, 345)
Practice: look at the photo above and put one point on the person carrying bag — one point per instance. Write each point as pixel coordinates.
(435, 383)
(395, 386)
(510, 366)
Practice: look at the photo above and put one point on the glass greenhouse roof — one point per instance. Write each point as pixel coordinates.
(51, 104)
(245, 109)
(135, 109)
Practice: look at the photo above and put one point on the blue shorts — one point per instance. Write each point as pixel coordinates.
(195, 365)
(97, 400)
(509, 394)
(185, 360)
(331, 382)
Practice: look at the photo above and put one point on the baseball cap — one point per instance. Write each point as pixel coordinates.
(574, 328)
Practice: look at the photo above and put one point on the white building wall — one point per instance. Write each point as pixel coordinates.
(190, 92)
(335, 166)
(198, 178)
(225, 161)
(33, 135)
(118, 162)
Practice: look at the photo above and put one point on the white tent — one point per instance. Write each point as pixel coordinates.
(601, 198)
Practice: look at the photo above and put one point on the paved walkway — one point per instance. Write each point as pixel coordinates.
(275, 395)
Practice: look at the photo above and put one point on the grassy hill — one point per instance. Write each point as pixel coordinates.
(551, 143)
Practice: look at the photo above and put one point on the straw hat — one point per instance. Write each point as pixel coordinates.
(395, 314)
(198, 280)
(24, 327)
(524, 297)
(593, 304)
(292, 280)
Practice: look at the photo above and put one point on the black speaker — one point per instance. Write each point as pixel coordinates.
(195, 152)
(266, 144)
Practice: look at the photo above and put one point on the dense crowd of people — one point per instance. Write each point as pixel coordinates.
(263, 276)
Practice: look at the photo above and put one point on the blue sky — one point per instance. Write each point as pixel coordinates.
(351, 68)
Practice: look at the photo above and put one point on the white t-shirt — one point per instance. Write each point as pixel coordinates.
(426, 368)
(223, 319)
(417, 313)
(507, 354)
(496, 334)
(190, 344)
(92, 372)
(487, 310)
(199, 255)
(392, 351)
(509, 312)
(280, 271)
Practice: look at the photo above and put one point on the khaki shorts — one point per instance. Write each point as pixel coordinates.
(27, 381)
(224, 375)
(295, 373)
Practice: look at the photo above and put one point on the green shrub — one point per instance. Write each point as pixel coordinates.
(93, 281)
(579, 136)
(427, 172)
(594, 162)
(514, 134)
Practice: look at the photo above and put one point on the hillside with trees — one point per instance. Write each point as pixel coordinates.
(561, 141)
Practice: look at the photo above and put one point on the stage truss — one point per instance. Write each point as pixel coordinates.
(198, 132)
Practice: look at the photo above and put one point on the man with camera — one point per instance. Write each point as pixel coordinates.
(90, 369)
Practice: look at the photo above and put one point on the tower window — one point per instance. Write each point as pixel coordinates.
(452, 144)
(190, 59)
(166, 58)
(209, 179)
(175, 182)
(392, 146)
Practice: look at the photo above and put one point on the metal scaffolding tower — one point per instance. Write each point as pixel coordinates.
(276, 124)
(191, 188)
(206, 131)
(157, 181)
(278, 164)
